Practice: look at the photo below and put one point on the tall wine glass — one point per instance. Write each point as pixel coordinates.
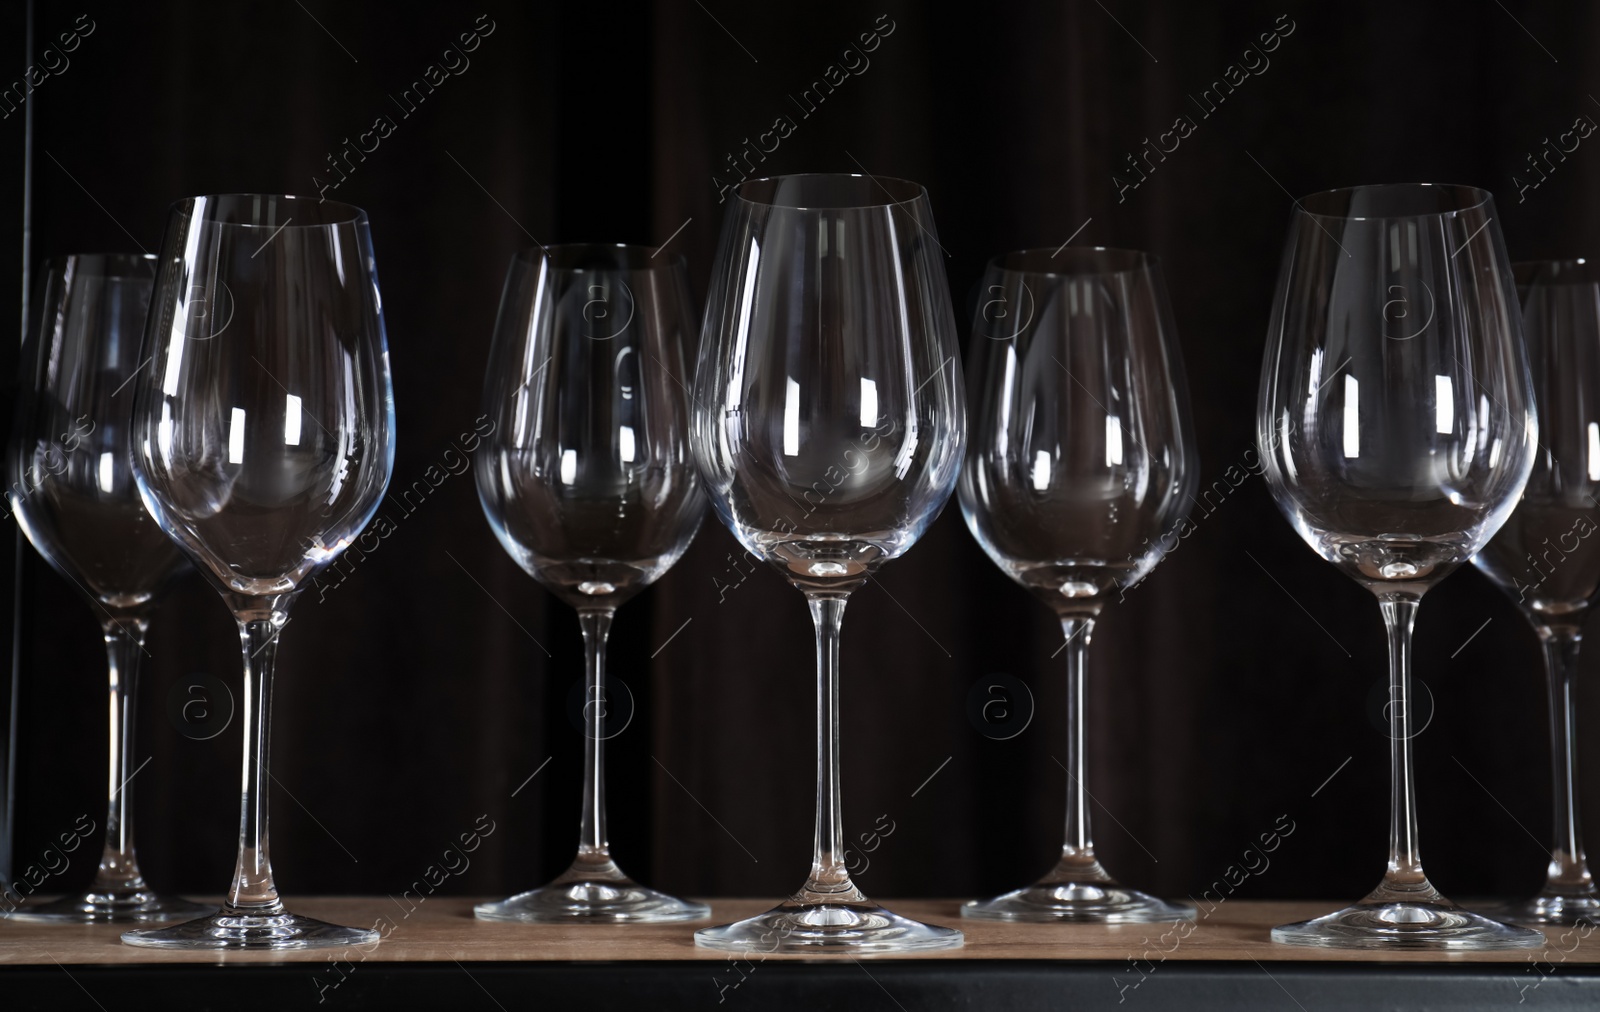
(263, 440)
(588, 482)
(829, 425)
(1544, 556)
(1081, 466)
(1396, 422)
(70, 485)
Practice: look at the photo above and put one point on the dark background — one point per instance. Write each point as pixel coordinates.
(1225, 691)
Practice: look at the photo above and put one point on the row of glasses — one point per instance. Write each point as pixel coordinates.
(827, 423)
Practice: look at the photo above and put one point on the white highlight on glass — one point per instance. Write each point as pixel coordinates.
(1041, 471)
(1444, 405)
(569, 466)
(107, 462)
(1113, 440)
(236, 437)
(747, 295)
(1594, 451)
(869, 403)
(164, 431)
(291, 421)
(791, 418)
(1352, 416)
(625, 444)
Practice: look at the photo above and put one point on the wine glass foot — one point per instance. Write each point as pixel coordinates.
(1077, 903)
(251, 931)
(847, 927)
(1408, 925)
(595, 901)
(1552, 910)
(137, 906)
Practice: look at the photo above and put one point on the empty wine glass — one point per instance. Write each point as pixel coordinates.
(829, 425)
(263, 438)
(1081, 466)
(72, 491)
(1397, 428)
(588, 482)
(1543, 557)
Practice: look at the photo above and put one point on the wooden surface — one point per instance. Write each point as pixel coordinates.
(443, 929)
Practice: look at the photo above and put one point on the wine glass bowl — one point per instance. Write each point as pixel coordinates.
(1397, 429)
(829, 425)
(263, 434)
(70, 485)
(1081, 465)
(1397, 476)
(588, 482)
(828, 479)
(264, 497)
(1545, 557)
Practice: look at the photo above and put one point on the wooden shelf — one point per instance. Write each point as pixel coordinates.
(443, 930)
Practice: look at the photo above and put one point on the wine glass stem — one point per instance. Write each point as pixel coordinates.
(1569, 869)
(829, 877)
(1079, 845)
(253, 891)
(592, 843)
(1404, 879)
(119, 868)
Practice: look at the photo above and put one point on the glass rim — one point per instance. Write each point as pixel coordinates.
(331, 213)
(1118, 260)
(911, 189)
(1469, 197)
(103, 265)
(1546, 272)
(637, 257)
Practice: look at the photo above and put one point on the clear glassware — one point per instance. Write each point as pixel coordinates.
(829, 425)
(1081, 466)
(263, 435)
(1397, 427)
(70, 485)
(588, 482)
(1543, 557)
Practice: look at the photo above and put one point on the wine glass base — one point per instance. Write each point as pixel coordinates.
(141, 906)
(1409, 925)
(1552, 910)
(253, 931)
(1077, 903)
(594, 901)
(846, 928)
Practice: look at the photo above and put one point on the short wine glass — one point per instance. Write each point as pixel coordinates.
(588, 482)
(70, 485)
(829, 425)
(1544, 557)
(263, 438)
(1081, 466)
(1397, 427)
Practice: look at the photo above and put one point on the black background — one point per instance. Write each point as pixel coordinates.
(1225, 691)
